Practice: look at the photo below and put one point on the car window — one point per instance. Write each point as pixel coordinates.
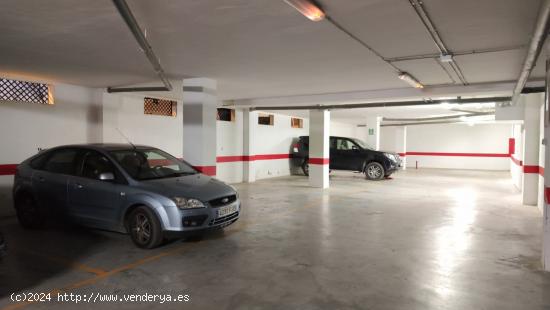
(344, 145)
(332, 143)
(150, 164)
(94, 164)
(39, 161)
(62, 161)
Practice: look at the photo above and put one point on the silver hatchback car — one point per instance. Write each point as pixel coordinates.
(138, 190)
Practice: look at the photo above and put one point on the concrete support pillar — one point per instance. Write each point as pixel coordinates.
(199, 124)
(250, 119)
(319, 149)
(373, 132)
(531, 136)
(516, 154)
(401, 144)
(546, 210)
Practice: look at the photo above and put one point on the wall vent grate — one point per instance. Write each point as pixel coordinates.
(23, 91)
(163, 107)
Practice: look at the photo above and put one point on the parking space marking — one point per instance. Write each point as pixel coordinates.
(104, 275)
(67, 262)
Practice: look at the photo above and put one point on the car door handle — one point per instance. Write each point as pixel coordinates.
(41, 179)
(79, 186)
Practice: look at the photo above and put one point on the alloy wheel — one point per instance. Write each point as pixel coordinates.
(142, 228)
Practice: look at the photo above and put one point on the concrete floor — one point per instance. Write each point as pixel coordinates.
(428, 239)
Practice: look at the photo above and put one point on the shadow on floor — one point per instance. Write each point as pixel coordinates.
(35, 256)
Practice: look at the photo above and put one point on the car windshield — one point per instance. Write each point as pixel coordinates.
(362, 144)
(148, 164)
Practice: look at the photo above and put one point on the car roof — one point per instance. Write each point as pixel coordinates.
(107, 146)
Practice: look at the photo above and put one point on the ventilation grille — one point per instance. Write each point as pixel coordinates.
(154, 106)
(23, 91)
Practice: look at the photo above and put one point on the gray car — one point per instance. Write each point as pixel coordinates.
(138, 190)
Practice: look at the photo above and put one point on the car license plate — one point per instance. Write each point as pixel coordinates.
(227, 210)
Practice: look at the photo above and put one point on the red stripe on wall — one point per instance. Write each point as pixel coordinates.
(531, 169)
(319, 161)
(516, 161)
(229, 159)
(271, 156)
(511, 146)
(547, 194)
(541, 171)
(8, 169)
(208, 170)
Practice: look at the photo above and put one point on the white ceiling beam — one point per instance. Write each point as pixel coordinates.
(483, 89)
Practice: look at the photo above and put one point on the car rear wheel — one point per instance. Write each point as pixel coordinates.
(145, 228)
(374, 171)
(28, 213)
(305, 167)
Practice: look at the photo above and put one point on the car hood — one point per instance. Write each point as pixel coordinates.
(197, 186)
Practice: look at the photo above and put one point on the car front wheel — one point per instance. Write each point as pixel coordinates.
(145, 228)
(28, 213)
(374, 171)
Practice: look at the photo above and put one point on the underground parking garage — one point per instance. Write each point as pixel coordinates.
(285, 154)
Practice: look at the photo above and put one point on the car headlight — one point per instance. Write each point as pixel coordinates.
(235, 189)
(390, 156)
(184, 203)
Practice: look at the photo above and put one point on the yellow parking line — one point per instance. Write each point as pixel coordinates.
(101, 276)
(67, 262)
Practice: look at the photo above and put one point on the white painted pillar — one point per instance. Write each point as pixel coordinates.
(401, 144)
(546, 210)
(373, 132)
(250, 120)
(199, 124)
(542, 157)
(516, 158)
(531, 136)
(319, 149)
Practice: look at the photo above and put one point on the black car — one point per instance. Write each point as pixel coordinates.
(350, 154)
(3, 247)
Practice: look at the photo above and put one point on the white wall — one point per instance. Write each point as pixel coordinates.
(276, 139)
(388, 139)
(74, 118)
(230, 143)
(348, 130)
(125, 112)
(454, 138)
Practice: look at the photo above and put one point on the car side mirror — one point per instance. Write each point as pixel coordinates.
(107, 176)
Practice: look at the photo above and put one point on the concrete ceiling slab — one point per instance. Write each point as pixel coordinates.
(258, 48)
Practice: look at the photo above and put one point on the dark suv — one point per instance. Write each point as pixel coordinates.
(350, 154)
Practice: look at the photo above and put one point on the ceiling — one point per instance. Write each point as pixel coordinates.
(261, 48)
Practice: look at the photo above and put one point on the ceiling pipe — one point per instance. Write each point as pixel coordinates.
(132, 23)
(418, 7)
(383, 104)
(424, 123)
(434, 118)
(535, 46)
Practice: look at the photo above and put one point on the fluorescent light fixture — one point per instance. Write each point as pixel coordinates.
(410, 80)
(308, 8)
